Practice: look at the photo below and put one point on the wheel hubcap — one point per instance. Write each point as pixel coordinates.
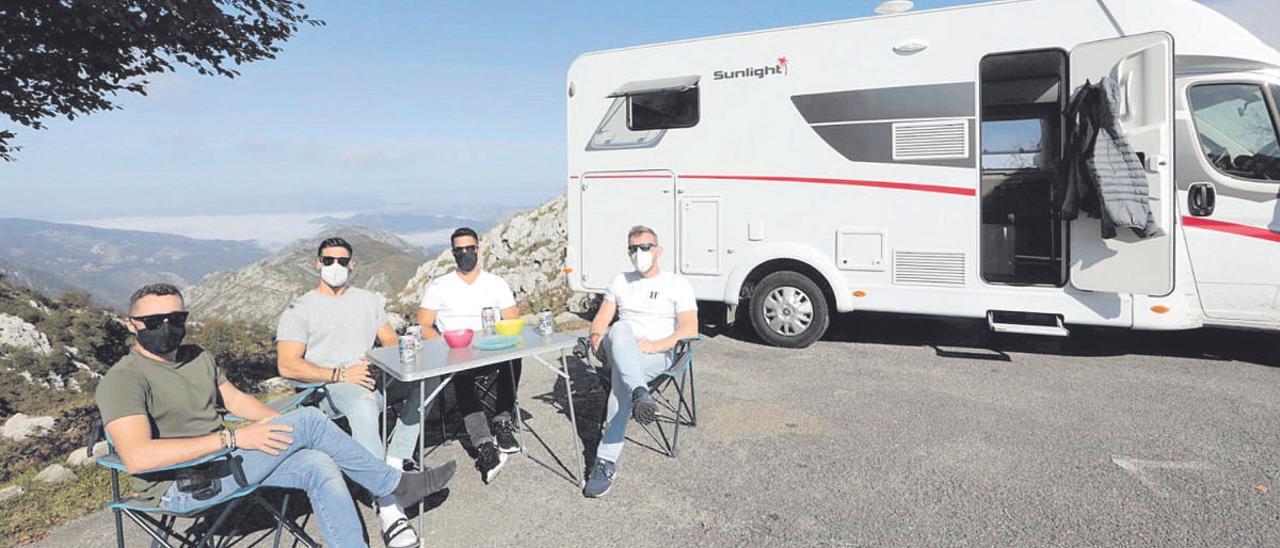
(788, 311)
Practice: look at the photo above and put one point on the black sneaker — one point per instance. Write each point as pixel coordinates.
(643, 409)
(489, 461)
(505, 430)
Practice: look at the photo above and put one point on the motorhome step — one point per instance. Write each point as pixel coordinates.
(1027, 323)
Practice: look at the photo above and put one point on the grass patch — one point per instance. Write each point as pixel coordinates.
(42, 507)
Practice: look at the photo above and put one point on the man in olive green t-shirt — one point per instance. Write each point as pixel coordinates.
(159, 405)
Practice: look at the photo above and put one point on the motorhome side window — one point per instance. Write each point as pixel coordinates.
(1237, 130)
(665, 109)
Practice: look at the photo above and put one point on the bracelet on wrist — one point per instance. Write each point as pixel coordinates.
(233, 440)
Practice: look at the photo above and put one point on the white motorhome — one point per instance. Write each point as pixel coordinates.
(908, 163)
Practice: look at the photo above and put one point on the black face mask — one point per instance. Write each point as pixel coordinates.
(162, 340)
(467, 260)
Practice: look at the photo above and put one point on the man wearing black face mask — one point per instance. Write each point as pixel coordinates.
(160, 407)
(454, 301)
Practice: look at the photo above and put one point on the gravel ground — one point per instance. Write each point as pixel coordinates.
(899, 431)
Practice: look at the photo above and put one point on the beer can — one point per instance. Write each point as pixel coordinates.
(488, 319)
(546, 323)
(408, 348)
(415, 331)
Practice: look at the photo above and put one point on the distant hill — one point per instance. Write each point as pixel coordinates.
(107, 263)
(258, 293)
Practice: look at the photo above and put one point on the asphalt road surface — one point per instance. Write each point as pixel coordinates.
(901, 431)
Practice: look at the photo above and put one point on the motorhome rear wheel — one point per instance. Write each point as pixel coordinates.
(789, 310)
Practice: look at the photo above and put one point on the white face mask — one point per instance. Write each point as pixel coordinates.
(642, 260)
(335, 275)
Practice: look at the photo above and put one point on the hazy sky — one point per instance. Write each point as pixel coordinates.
(393, 104)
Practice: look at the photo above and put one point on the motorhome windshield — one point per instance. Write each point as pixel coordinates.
(1237, 129)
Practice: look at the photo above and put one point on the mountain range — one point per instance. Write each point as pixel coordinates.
(109, 264)
(259, 292)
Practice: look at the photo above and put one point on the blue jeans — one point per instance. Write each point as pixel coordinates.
(321, 453)
(362, 407)
(632, 369)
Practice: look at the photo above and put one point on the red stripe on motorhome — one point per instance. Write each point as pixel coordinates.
(940, 189)
(1232, 228)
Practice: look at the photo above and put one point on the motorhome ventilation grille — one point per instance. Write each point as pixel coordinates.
(932, 140)
(928, 268)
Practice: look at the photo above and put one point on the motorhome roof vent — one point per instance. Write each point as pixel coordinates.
(932, 268)
(931, 140)
(894, 6)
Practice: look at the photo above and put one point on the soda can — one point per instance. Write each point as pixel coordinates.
(408, 348)
(546, 323)
(488, 319)
(415, 331)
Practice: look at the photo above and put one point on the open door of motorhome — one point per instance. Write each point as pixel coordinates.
(1142, 66)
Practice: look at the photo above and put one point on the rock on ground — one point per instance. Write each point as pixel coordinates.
(81, 457)
(20, 427)
(55, 473)
(12, 491)
(19, 334)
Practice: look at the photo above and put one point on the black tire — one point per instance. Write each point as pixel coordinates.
(789, 310)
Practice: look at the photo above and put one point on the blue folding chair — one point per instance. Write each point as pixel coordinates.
(143, 512)
(673, 389)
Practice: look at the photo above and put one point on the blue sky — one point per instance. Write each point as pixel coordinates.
(434, 106)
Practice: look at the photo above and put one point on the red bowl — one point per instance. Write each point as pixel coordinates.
(458, 338)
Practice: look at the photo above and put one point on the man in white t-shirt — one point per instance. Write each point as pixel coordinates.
(655, 310)
(454, 301)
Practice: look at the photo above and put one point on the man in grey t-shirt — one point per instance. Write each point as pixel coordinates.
(323, 337)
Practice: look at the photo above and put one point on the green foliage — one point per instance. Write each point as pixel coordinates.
(244, 351)
(29, 517)
(68, 434)
(72, 58)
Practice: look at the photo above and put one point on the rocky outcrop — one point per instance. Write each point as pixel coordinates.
(19, 334)
(20, 427)
(527, 251)
(259, 292)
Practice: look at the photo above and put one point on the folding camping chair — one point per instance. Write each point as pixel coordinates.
(160, 529)
(675, 410)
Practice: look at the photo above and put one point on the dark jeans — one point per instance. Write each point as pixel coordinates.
(464, 385)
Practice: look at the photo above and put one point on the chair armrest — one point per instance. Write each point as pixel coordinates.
(281, 405)
(114, 462)
(299, 385)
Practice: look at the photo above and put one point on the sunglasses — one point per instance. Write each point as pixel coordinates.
(464, 249)
(154, 321)
(642, 247)
(326, 260)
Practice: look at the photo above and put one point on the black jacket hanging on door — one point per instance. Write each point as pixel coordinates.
(1102, 175)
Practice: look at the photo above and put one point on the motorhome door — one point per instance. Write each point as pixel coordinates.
(613, 202)
(1142, 66)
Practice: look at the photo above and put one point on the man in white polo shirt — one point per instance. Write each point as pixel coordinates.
(454, 301)
(655, 310)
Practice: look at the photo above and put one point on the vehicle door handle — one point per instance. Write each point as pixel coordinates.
(1201, 199)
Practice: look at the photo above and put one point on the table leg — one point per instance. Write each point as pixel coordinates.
(573, 419)
(519, 418)
(422, 448)
(423, 401)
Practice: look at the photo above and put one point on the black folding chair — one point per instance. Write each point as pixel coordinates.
(673, 389)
